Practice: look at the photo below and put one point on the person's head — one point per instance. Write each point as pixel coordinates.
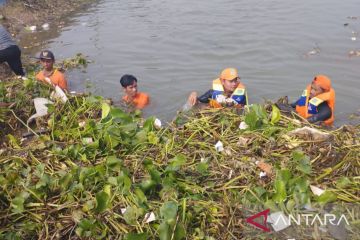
(229, 79)
(47, 59)
(129, 83)
(320, 84)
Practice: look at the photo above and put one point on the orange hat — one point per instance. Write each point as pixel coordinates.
(229, 74)
(323, 82)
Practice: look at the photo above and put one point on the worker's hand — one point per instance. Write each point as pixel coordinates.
(192, 99)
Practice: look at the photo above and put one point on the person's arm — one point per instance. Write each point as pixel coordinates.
(205, 98)
(324, 113)
(194, 99)
(293, 105)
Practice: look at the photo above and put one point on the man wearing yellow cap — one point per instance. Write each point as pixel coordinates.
(317, 103)
(226, 91)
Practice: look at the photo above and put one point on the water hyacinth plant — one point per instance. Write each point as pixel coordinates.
(99, 172)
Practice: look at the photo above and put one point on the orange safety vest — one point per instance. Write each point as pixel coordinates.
(238, 97)
(306, 107)
(140, 101)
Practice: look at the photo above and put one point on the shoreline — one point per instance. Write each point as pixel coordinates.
(16, 15)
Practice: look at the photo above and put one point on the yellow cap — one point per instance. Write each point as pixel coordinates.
(229, 74)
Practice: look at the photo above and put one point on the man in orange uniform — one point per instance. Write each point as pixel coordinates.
(226, 91)
(317, 103)
(139, 99)
(49, 74)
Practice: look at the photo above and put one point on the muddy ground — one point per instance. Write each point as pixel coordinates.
(16, 15)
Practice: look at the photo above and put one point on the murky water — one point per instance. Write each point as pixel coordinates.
(174, 47)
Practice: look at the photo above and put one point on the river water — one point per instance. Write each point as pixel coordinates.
(175, 47)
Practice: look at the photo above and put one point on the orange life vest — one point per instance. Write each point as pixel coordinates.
(238, 97)
(306, 107)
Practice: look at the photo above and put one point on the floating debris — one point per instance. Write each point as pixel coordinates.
(157, 123)
(149, 217)
(316, 190)
(308, 133)
(45, 26)
(354, 53)
(243, 126)
(314, 51)
(31, 28)
(219, 147)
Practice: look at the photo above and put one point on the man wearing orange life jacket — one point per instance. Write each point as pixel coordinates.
(317, 103)
(227, 91)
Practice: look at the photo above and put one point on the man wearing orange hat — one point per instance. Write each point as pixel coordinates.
(226, 91)
(317, 102)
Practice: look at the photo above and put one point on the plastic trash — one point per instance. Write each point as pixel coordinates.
(45, 26)
(219, 147)
(31, 28)
(262, 174)
(157, 123)
(243, 126)
(59, 94)
(123, 210)
(87, 140)
(309, 133)
(40, 108)
(149, 217)
(316, 190)
(265, 167)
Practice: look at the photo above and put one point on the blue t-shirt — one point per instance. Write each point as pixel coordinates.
(5, 39)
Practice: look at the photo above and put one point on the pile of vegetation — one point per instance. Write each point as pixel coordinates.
(99, 172)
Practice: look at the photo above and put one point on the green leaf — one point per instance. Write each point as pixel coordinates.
(147, 185)
(105, 110)
(343, 182)
(132, 214)
(136, 236)
(202, 168)
(280, 191)
(17, 204)
(14, 142)
(164, 231)
(65, 181)
(140, 196)
(179, 232)
(304, 166)
(113, 163)
(284, 175)
(168, 212)
(326, 197)
(275, 115)
(152, 138)
(149, 124)
(175, 163)
(141, 136)
(102, 201)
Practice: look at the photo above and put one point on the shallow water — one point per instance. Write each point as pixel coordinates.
(174, 47)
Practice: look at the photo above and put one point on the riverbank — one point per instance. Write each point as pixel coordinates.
(18, 15)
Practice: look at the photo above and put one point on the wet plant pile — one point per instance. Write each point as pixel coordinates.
(101, 173)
